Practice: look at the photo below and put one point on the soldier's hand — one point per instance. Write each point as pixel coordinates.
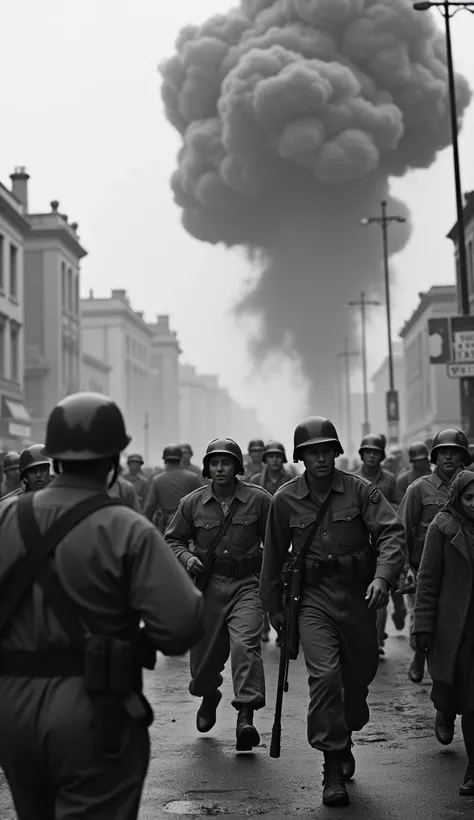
(276, 621)
(194, 565)
(377, 594)
(423, 642)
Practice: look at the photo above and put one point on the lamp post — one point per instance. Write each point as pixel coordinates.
(346, 355)
(363, 303)
(393, 415)
(448, 9)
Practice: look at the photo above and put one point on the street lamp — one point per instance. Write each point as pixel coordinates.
(392, 399)
(363, 303)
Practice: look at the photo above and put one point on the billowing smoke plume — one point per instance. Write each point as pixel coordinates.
(294, 114)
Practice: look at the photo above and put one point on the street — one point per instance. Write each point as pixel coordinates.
(402, 771)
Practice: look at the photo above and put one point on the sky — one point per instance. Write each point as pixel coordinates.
(81, 109)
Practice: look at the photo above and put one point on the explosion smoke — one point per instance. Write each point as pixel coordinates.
(294, 114)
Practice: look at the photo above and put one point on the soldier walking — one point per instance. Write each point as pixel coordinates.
(226, 521)
(419, 457)
(11, 472)
(35, 471)
(422, 500)
(136, 478)
(169, 487)
(254, 462)
(353, 547)
(74, 721)
(186, 463)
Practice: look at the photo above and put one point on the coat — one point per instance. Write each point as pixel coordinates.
(443, 595)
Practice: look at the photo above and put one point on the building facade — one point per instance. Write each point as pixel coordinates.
(468, 215)
(95, 375)
(15, 420)
(164, 427)
(431, 397)
(380, 385)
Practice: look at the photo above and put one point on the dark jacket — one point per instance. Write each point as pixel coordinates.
(443, 594)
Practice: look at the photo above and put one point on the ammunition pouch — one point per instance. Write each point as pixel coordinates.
(354, 567)
(241, 567)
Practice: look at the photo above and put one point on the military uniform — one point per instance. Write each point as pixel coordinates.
(11, 465)
(125, 491)
(141, 485)
(116, 570)
(166, 491)
(384, 480)
(263, 480)
(408, 477)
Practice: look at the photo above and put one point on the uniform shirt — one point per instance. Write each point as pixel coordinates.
(166, 491)
(5, 489)
(141, 485)
(408, 477)
(114, 566)
(125, 491)
(200, 514)
(384, 480)
(422, 500)
(358, 515)
(250, 469)
(263, 480)
(13, 493)
(193, 468)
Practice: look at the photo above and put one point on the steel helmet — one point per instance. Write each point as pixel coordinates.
(256, 444)
(451, 438)
(372, 442)
(185, 446)
(223, 446)
(32, 457)
(11, 461)
(274, 447)
(172, 452)
(85, 427)
(315, 430)
(418, 451)
(135, 457)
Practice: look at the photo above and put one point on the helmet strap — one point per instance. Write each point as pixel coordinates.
(116, 466)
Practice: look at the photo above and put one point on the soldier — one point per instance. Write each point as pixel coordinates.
(186, 463)
(11, 471)
(354, 558)
(135, 476)
(74, 738)
(226, 521)
(422, 500)
(169, 487)
(35, 471)
(419, 457)
(254, 462)
(125, 492)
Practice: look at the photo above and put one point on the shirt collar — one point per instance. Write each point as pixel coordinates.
(241, 493)
(337, 484)
(65, 480)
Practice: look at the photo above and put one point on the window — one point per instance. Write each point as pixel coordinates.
(3, 325)
(470, 265)
(13, 272)
(14, 351)
(70, 291)
(2, 262)
(63, 286)
(76, 295)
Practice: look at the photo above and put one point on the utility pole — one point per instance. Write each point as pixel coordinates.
(448, 9)
(363, 303)
(146, 428)
(346, 355)
(393, 410)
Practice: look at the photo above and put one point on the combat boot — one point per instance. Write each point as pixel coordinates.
(417, 668)
(444, 728)
(467, 788)
(206, 716)
(348, 763)
(247, 735)
(334, 788)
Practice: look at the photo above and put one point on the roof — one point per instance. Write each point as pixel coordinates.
(468, 215)
(438, 294)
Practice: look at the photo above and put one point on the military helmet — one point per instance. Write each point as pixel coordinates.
(32, 456)
(451, 438)
(274, 447)
(135, 457)
(315, 430)
(223, 446)
(185, 446)
(256, 444)
(85, 427)
(11, 461)
(372, 442)
(418, 451)
(172, 452)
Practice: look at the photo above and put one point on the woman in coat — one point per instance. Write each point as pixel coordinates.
(444, 616)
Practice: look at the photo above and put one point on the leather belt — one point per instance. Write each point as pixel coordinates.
(237, 567)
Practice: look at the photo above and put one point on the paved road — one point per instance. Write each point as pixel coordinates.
(402, 771)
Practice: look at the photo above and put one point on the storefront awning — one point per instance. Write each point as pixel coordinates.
(15, 419)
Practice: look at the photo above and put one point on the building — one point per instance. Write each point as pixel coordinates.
(431, 400)
(95, 375)
(118, 336)
(380, 385)
(164, 405)
(468, 215)
(15, 420)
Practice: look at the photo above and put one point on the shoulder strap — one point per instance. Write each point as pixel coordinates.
(311, 534)
(224, 526)
(40, 546)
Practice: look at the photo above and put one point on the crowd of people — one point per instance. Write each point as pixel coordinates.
(103, 565)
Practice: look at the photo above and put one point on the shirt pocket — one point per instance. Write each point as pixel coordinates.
(429, 507)
(349, 529)
(299, 525)
(206, 531)
(245, 531)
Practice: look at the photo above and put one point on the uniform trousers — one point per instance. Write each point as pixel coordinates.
(338, 636)
(50, 757)
(233, 626)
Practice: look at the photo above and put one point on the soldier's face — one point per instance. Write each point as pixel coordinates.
(319, 460)
(13, 474)
(37, 477)
(223, 469)
(134, 467)
(372, 458)
(274, 461)
(448, 460)
(467, 500)
(186, 455)
(421, 465)
(256, 455)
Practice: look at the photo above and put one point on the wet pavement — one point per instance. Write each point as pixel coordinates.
(402, 771)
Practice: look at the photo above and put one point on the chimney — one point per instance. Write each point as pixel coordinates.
(163, 323)
(20, 185)
(120, 294)
(54, 205)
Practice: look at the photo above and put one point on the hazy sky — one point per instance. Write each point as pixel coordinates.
(81, 109)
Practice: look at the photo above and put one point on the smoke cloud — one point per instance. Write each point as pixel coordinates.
(294, 115)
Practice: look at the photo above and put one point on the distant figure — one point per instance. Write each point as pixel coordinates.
(11, 473)
(136, 477)
(419, 457)
(186, 463)
(169, 487)
(122, 489)
(253, 463)
(273, 475)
